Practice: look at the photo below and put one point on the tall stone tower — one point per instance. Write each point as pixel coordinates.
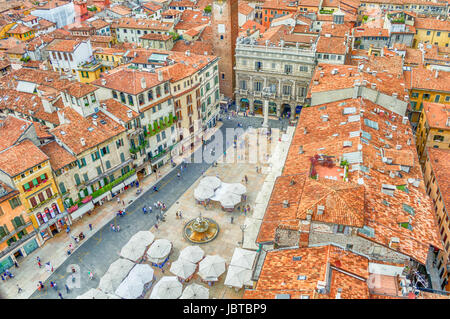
(225, 30)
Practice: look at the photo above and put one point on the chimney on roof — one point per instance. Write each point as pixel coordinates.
(188, 53)
(143, 83)
(83, 141)
(103, 81)
(436, 75)
(94, 121)
(160, 76)
(129, 114)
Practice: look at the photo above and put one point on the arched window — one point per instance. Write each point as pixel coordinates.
(166, 88)
(77, 179)
(141, 99)
(130, 100)
(62, 188)
(150, 95)
(108, 164)
(17, 222)
(122, 97)
(40, 218)
(158, 91)
(55, 208)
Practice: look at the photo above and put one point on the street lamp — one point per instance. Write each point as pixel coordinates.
(243, 227)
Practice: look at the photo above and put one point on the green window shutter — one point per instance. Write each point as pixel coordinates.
(43, 177)
(26, 186)
(35, 182)
(93, 158)
(22, 220)
(79, 165)
(83, 161)
(13, 222)
(107, 149)
(98, 154)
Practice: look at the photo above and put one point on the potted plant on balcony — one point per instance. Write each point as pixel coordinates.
(86, 199)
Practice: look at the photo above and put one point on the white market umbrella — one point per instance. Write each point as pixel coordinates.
(238, 277)
(142, 272)
(211, 268)
(167, 287)
(195, 291)
(182, 268)
(203, 192)
(243, 258)
(230, 200)
(237, 188)
(117, 271)
(192, 254)
(211, 181)
(159, 250)
(130, 288)
(133, 250)
(145, 237)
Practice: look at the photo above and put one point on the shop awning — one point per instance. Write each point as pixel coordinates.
(82, 210)
(130, 179)
(117, 188)
(99, 198)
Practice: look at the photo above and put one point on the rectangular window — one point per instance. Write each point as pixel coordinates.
(95, 156)
(49, 192)
(14, 202)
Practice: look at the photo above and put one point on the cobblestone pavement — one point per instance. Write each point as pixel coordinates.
(102, 246)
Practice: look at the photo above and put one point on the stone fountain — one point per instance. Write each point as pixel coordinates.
(201, 230)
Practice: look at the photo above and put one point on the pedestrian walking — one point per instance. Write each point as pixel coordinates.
(67, 288)
(16, 264)
(19, 290)
(181, 215)
(118, 200)
(144, 209)
(60, 295)
(38, 259)
(112, 227)
(90, 227)
(156, 226)
(176, 214)
(118, 228)
(53, 285)
(3, 278)
(231, 219)
(178, 175)
(39, 264)
(41, 285)
(246, 179)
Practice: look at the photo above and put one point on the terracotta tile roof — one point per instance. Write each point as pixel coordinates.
(11, 129)
(78, 89)
(142, 24)
(18, 49)
(413, 56)
(10, 192)
(128, 81)
(331, 45)
(26, 103)
(327, 138)
(28, 18)
(171, 12)
(42, 131)
(99, 23)
(63, 45)
(435, 53)
(182, 3)
(336, 30)
(244, 8)
(370, 32)
(121, 10)
(100, 39)
(437, 115)
(118, 110)
(58, 156)
(425, 79)
(192, 19)
(70, 134)
(282, 268)
(250, 24)
(196, 47)
(386, 82)
(21, 157)
(156, 36)
(19, 29)
(192, 32)
(432, 24)
(151, 6)
(8, 43)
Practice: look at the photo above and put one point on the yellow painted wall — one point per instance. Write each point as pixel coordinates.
(418, 97)
(24, 195)
(441, 40)
(8, 214)
(91, 75)
(5, 29)
(22, 37)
